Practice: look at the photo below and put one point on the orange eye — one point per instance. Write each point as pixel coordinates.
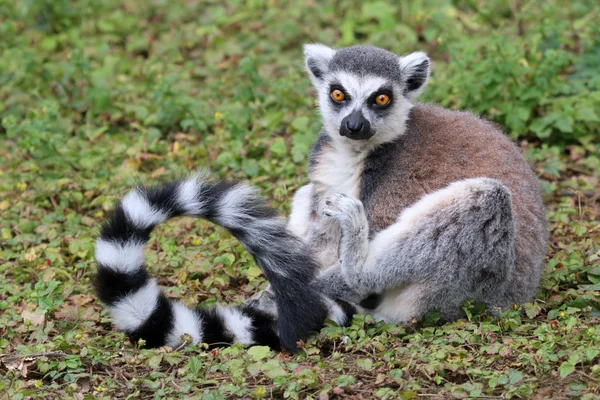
(338, 95)
(382, 99)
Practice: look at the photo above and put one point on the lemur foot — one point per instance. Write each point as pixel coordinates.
(264, 301)
(332, 284)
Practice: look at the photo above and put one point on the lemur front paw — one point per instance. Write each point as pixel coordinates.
(342, 207)
(264, 301)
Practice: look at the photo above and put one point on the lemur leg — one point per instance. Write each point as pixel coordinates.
(458, 242)
(299, 222)
(308, 222)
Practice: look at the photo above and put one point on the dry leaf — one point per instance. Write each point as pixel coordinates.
(33, 317)
(83, 385)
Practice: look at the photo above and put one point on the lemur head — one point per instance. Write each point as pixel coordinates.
(365, 93)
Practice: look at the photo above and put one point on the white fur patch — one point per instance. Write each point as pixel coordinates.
(408, 63)
(140, 212)
(340, 170)
(335, 312)
(185, 321)
(401, 304)
(318, 51)
(231, 213)
(299, 221)
(188, 195)
(239, 325)
(412, 60)
(126, 258)
(319, 55)
(133, 310)
(394, 124)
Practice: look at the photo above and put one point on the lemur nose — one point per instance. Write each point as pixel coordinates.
(354, 126)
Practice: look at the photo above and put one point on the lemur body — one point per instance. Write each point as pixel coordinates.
(423, 207)
(395, 180)
(410, 209)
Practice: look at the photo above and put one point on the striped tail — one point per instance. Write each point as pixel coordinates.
(142, 311)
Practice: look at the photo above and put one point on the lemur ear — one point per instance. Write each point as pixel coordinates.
(415, 72)
(317, 57)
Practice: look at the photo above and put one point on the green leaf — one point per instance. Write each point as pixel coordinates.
(564, 124)
(365, 363)
(273, 369)
(154, 361)
(408, 395)
(591, 354)
(514, 376)
(258, 353)
(590, 287)
(345, 380)
(278, 147)
(594, 271)
(253, 272)
(565, 369)
(539, 126)
(301, 124)
(195, 365)
(532, 309)
(226, 259)
(587, 114)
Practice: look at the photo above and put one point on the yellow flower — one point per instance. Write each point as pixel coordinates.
(21, 186)
(218, 115)
(38, 384)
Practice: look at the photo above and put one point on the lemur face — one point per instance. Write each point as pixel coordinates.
(365, 92)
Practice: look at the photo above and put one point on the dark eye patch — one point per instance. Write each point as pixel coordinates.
(337, 86)
(382, 90)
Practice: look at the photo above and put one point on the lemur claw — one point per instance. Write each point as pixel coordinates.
(341, 206)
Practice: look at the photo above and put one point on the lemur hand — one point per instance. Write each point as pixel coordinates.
(354, 243)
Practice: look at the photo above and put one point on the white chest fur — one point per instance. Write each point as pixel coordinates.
(339, 170)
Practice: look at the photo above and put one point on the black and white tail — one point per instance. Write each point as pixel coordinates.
(139, 308)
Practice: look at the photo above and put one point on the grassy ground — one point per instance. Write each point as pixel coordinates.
(96, 96)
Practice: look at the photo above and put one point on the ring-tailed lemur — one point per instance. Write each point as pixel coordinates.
(414, 208)
(138, 306)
